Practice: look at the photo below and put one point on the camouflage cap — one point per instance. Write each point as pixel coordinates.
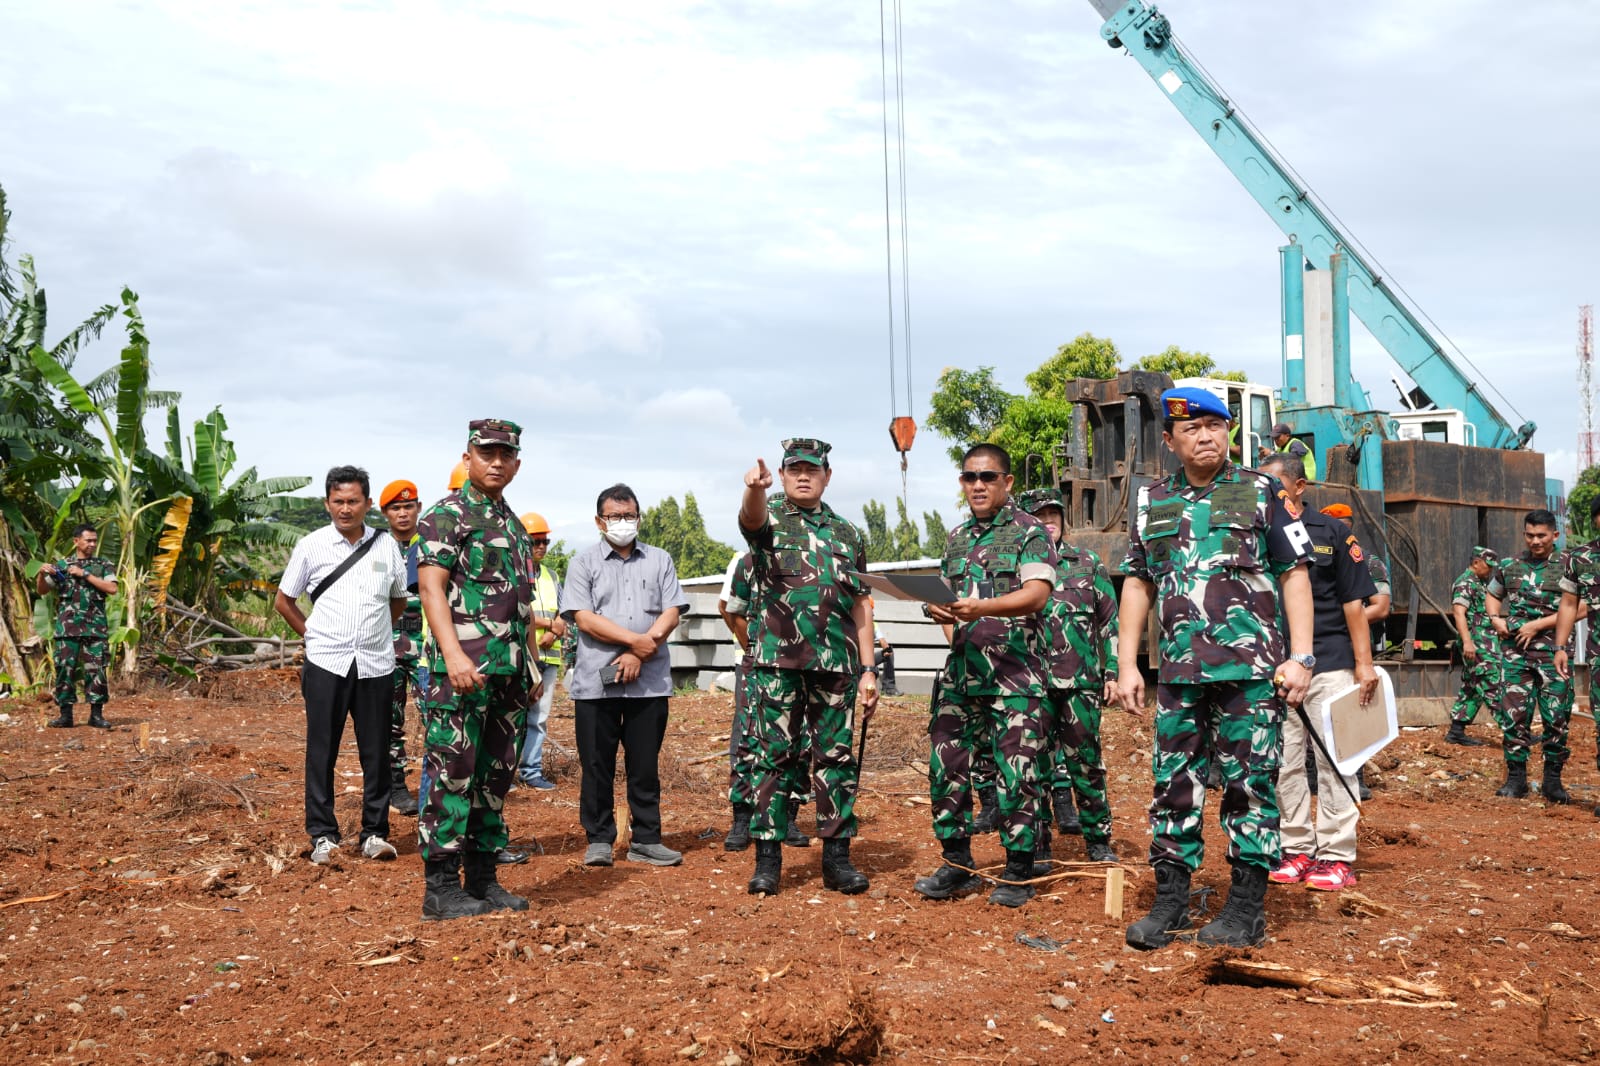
(806, 450)
(1181, 405)
(1034, 500)
(1488, 555)
(494, 431)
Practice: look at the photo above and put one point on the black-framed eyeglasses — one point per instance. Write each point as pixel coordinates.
(609, 518)
(541, 542)
(988, 477)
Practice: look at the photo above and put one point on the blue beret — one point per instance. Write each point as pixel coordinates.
(1180, 405)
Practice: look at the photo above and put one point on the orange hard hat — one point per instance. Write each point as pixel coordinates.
(535, 524)
(458, 476)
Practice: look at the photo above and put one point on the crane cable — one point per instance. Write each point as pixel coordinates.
(902, 430)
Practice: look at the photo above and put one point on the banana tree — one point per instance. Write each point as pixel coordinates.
(122, 425)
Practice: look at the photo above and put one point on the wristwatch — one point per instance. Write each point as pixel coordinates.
(866, 669)
(1307, 661)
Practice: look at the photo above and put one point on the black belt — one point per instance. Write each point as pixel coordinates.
(413, 626)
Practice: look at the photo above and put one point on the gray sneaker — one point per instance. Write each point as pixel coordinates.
(597, 854)
(654, 854)
(375, 847)
(322, 850)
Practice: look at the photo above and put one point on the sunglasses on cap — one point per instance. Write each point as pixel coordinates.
(988, 477)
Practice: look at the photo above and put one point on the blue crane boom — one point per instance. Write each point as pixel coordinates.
(1147, 35)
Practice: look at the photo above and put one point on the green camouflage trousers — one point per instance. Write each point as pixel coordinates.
(1529, 687)
(81, 659)
(742, 749)
(1242, 723)
(1074, 758)
(1480, 687)
(405, 677)
(469, 763)
(1008, 730)
(802, 720)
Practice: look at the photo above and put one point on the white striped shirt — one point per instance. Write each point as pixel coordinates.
(350, 623)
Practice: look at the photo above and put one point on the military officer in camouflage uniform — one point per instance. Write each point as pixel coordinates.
(1081, 643)
(1523, 597)
(81, 582)
(1480, 648)
(811, 647)
(1211, 547)
(1580, 598)
(472, 576)
(1002, 565)
(400, 505)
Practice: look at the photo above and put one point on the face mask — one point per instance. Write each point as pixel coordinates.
(621, 532)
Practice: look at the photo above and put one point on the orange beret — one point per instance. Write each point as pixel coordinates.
(397, 492)
(1337, 510)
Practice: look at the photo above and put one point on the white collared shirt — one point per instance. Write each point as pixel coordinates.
(350, 623)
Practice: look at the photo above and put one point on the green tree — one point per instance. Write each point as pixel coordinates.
(935, 534)
(1033, 425)
(1177, 363)
(967, 406)
(1579, 501)
(681, 532)
(879, 546)
(1085, 356)
(907, 545)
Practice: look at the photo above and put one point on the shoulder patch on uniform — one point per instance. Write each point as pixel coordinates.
(1355, 550)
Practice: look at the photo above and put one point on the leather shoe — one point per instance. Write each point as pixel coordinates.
(510, 857)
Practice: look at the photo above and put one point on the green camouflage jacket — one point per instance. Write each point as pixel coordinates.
(1214, 555)
(803, 589)
(1080, 632)
(1529, 589)
(985, 558)
(80, 607)
(1581, 576)
(1471, 594)
(408, 627)
(484, 547)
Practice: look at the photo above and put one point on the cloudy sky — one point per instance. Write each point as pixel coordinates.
(652, 231)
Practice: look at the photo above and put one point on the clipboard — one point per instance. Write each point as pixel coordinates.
(919, 588)
(1353, 733)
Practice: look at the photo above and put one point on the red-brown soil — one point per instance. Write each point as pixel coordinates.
(180, 922)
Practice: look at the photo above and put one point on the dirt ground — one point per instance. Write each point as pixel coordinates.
(156, 906)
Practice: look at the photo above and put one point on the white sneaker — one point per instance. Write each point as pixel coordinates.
(322, 850)
(378, 848)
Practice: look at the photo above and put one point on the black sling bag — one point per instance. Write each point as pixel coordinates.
(340, 570)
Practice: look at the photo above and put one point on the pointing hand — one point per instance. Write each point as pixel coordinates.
(758, 476)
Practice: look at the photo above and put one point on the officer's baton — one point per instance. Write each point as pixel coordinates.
(1316, 738)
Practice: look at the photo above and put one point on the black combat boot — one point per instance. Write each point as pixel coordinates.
(1516, 785)
(481, 883)
(1013, 891)
(1458, 735)
(1170, 912)
(63, 720)
(445, 898)
(1552, 788)
(1042, 864)
(1103, 853)
(1214, 772)
(1361, 784)
(769, 868)
(401, 801)
(1242, 922)
(1066, 812)
(837, 871)
(738, 837)
(796, 839)
(97, 718)
(954, 878)
(988, 819)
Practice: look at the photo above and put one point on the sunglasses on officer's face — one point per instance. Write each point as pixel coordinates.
(541, 542)
(988, 477)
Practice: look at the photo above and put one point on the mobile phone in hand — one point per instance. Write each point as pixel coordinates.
(609, 674)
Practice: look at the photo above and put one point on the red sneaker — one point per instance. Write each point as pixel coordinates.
(1330, 876)
(1292, 870)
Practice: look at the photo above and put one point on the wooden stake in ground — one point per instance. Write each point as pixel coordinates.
(144, 736)
(1114, 882)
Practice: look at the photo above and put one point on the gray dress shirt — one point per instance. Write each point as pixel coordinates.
(631, 592)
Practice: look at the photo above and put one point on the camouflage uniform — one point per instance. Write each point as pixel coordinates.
(743, 748)
(1581, 577)
(1378, 570)
(407, 662)
(81, 649)
(1081, 627)
(1480, 681)
(472, 737)
(994, 683)
(1528, 589)
(1213, 555)
(805, 663)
